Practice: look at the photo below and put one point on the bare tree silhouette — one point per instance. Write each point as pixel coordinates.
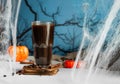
(65, 37)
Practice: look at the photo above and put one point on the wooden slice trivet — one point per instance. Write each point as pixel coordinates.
(38, 70)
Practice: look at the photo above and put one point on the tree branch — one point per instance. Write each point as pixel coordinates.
(63, 50)
(23, 33)
(30, 8)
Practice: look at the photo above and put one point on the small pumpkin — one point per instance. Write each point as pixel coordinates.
(21, 53)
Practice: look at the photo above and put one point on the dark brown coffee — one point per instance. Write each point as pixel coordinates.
(42, 33)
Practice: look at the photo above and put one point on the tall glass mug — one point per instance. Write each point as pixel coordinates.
(42, 33)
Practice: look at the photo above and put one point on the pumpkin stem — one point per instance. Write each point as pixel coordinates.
(11, 42)
(19, 43)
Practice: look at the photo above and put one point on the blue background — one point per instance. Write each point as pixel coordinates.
(68, 16)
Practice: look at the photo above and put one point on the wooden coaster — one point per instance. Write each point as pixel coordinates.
(38, 70)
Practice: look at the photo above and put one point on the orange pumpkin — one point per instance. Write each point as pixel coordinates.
(21, 53)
